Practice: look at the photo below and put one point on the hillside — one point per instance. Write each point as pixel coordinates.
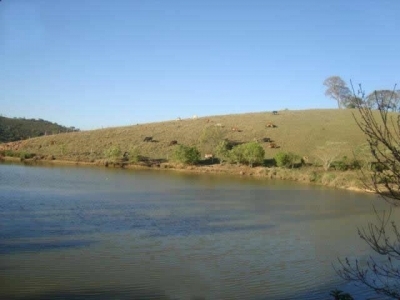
(300, 132)
(14, 129)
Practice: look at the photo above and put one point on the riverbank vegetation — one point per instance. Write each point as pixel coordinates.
(316, 146)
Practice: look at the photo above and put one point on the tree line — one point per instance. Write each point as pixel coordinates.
(337, 89)
(15, 129)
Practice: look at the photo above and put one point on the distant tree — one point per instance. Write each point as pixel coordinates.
(338, 90)
(352, 102)
(384, 99)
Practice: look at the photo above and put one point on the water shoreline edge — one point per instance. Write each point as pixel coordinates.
(344, 180)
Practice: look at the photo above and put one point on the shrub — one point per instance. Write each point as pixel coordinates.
(10, 153)
(356, 164)
(26, 155)
(113, 153)
(210, 138)
(222, 151)
(249, 153)
(187, 155)
(286, 159)
(134, 155)
(340, 165)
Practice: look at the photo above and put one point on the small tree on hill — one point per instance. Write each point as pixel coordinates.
(249, 153)
(338, 90)
(328, 153)
(286, 159)
(222, 151)
(210, 138)
(187, 155)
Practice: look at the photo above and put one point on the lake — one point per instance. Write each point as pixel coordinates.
(97, 233)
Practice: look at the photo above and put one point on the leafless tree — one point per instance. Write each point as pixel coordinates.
(382, 130)
(328, 153)
(338, 90)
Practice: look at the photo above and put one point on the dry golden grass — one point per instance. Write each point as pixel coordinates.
(300, 132)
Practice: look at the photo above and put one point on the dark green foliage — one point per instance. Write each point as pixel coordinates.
(26, 155)
(22, 154)
(14, 129)
(249, 153)
(355, 164)
(345, 164)
(187, 155)
(378, 167)
(222, 150)
(286, 159)
(340, 165)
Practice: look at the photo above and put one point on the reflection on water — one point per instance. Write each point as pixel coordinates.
(83, 233)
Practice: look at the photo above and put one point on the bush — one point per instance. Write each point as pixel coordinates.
(113, 153)
(340, 165)
(286, 159)
(249, 153)
(26, 155)
(222, 151)
(134, 155)
(10, 153)
(187, 155)
(356, 164)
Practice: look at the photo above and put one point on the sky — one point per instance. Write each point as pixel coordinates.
(100, 63)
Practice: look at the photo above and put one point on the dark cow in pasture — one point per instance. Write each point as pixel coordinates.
(266, 140)
(275, 112)
(174, 142)
(148, 139)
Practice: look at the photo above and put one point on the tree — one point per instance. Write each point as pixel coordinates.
(286, 159)
(187, 155)
(384, 99)
(222, 151)
(210, 138)
(382, 130)
(352, 102)
(338, 90)
(248, 153)
(328, 153)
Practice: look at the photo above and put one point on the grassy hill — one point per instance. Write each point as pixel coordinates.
(14, 129)
(300, 132)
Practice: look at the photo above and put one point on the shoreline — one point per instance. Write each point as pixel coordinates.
(346, 180)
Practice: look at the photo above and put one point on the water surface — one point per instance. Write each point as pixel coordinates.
(94, 233)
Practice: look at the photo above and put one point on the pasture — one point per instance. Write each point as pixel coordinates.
(298, 131)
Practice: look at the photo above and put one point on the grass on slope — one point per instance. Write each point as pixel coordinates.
(300, 132)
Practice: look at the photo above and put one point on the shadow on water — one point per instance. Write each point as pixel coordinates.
(9, 248)
(139, 294)
(143, 294)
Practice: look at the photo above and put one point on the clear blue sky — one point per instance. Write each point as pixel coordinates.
(101, 63)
